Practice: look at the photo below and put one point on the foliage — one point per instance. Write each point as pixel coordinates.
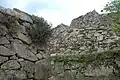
(115, 21)
(113, 6)
(86, 57)
(40, 31)
(113, 9)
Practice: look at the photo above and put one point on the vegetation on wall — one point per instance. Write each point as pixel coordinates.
(113, 10)
(40, 31)
(86, 57)
(115, 21)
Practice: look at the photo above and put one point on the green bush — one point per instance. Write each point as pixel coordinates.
(40, 31)
(112, 6)
(115, 20)
(113, 10)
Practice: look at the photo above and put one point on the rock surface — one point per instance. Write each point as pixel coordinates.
(11, 64)
(5, 51)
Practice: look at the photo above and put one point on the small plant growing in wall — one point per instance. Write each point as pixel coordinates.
(40, 31)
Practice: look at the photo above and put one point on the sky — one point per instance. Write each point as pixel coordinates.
(56, 11)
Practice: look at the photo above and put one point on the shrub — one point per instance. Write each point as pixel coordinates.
(112, 6)
(40, 31)
(115, 21)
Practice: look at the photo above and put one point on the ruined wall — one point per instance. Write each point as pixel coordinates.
(87, 34)
(82, 51)
(85, 50)
(20, 59)
(97, 66)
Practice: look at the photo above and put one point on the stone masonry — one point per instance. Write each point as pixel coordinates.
(20, 59)
(85, 50)
(86, 34)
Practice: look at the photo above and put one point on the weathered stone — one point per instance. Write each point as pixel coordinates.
(39, 56)
(42, 70)
(90, 33)
(52, 78)
(100, 37)
(24, 52)
(109, 41)
(9, 11)
(12, 75)
(22, 29)
(19, 74)
(8, 46)
(3, 59)
(24, 16)
(101, 71)
(3, 30)
(26, 24)
(33, 49)
(59, 68)
(18, 54)
(5, 51)
(16, 14)
(10, 38)
(14, 57)
(100, 49)
(28, 67)
(117, 61)
(24, 38)
(3, 40)
(11, 64)
(97, 34)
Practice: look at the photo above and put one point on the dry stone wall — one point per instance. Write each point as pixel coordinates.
(86, 34)
(20, 59)
(85, 50)
(97, 66)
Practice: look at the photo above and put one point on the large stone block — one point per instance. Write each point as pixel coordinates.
(5, 51)
(24, 52)
(24, 38)
(3, 59)
(42, 70)
(11, 64)
(12, 75)
(28, 67)
(3, 30)
(3, 40)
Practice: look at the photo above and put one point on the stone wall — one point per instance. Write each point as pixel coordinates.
(20, 59)
(85, 50)
(86, 34)
(97, 66)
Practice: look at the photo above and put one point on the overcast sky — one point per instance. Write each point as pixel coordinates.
(56, 11)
